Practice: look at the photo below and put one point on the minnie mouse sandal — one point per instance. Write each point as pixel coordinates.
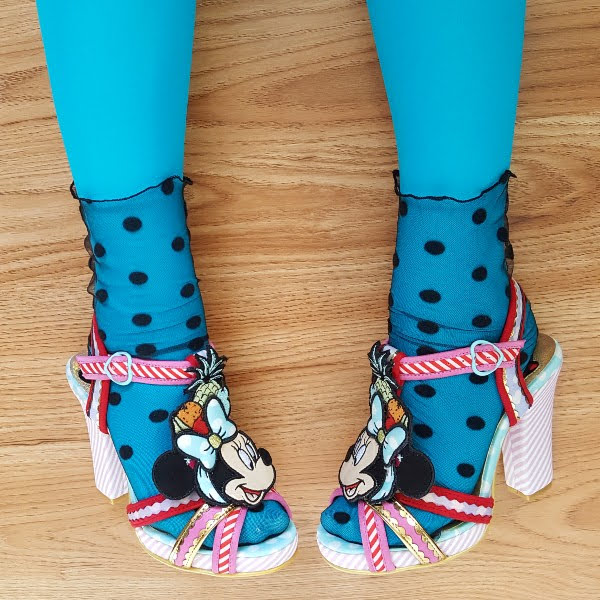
(214, 471)
(386, 481)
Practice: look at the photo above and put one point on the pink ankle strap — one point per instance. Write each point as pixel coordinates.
(482, 358)
(102, 369)
(502, 359)
(121, 368)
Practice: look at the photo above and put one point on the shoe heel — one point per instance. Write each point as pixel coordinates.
(527, 447)
(109, 475)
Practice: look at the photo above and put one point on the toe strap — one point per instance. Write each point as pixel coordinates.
(374, 539)
(191, 538)
(227, 537)
(409, 530)
(228, 523)
(372, 519)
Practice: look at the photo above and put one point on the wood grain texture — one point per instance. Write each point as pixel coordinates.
(293, 219)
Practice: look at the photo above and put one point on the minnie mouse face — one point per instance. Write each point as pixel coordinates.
(229, 468)
(361, 472)
(210, 454)
(251, 473)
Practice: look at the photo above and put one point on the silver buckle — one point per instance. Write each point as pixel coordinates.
(472, 352)
(107, 372)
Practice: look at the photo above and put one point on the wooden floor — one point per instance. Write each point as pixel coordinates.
(293, 218)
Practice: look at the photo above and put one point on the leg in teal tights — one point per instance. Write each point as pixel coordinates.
(120, 73)
(451, 73)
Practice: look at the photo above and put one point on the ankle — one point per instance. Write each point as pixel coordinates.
(451, 271)
(146, 295)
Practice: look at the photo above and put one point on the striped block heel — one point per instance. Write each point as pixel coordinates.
(109, 475)
(527, 447)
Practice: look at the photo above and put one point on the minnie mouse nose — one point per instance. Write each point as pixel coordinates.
(264, 454)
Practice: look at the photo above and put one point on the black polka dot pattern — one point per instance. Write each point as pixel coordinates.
(478, 379)
(114, 398)
(502, 234)
(158, 416)
(187, 290)
(138, 277)
(428, 327)
(141, 319)
(430, 296)
(434, 247)
(341, 517)
(178, 244)
(194, 322)
(167, 187)
(125, 452)
(465, 470)
(403, 208)
(479, 216)
(479, 274)
(132, 224)
(102, 334)
(424, 390)
(481, 321)
(475, 423)
(422, 430)
(422, 350)
(197, 343)
(99, 250)
(145, 349)
(101, 295)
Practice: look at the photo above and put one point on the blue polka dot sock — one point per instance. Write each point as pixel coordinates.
(147, 302)
(449, 288)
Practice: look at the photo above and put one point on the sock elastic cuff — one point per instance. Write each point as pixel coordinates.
(501, 182)
(166, 186)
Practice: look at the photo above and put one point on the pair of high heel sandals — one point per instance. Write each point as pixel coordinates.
(215, 472)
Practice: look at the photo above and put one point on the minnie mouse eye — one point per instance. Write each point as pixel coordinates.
(245, 458)
(360, 452)
(251, 451)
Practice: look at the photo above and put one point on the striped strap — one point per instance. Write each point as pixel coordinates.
(227, 537)
(159, 507)
(451, 504)
(485, 357)
(121, 367)
(408, 529)
(374, 539)
(195, 532)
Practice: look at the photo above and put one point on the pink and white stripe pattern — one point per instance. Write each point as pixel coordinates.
(144, 371)
(455, 362)
(527, 448)
(109, 475)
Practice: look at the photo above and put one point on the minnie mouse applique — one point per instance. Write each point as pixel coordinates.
(382, 461)
(211, 455)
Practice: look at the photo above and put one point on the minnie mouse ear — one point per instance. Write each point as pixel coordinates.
(415, 473)
(172, 476)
